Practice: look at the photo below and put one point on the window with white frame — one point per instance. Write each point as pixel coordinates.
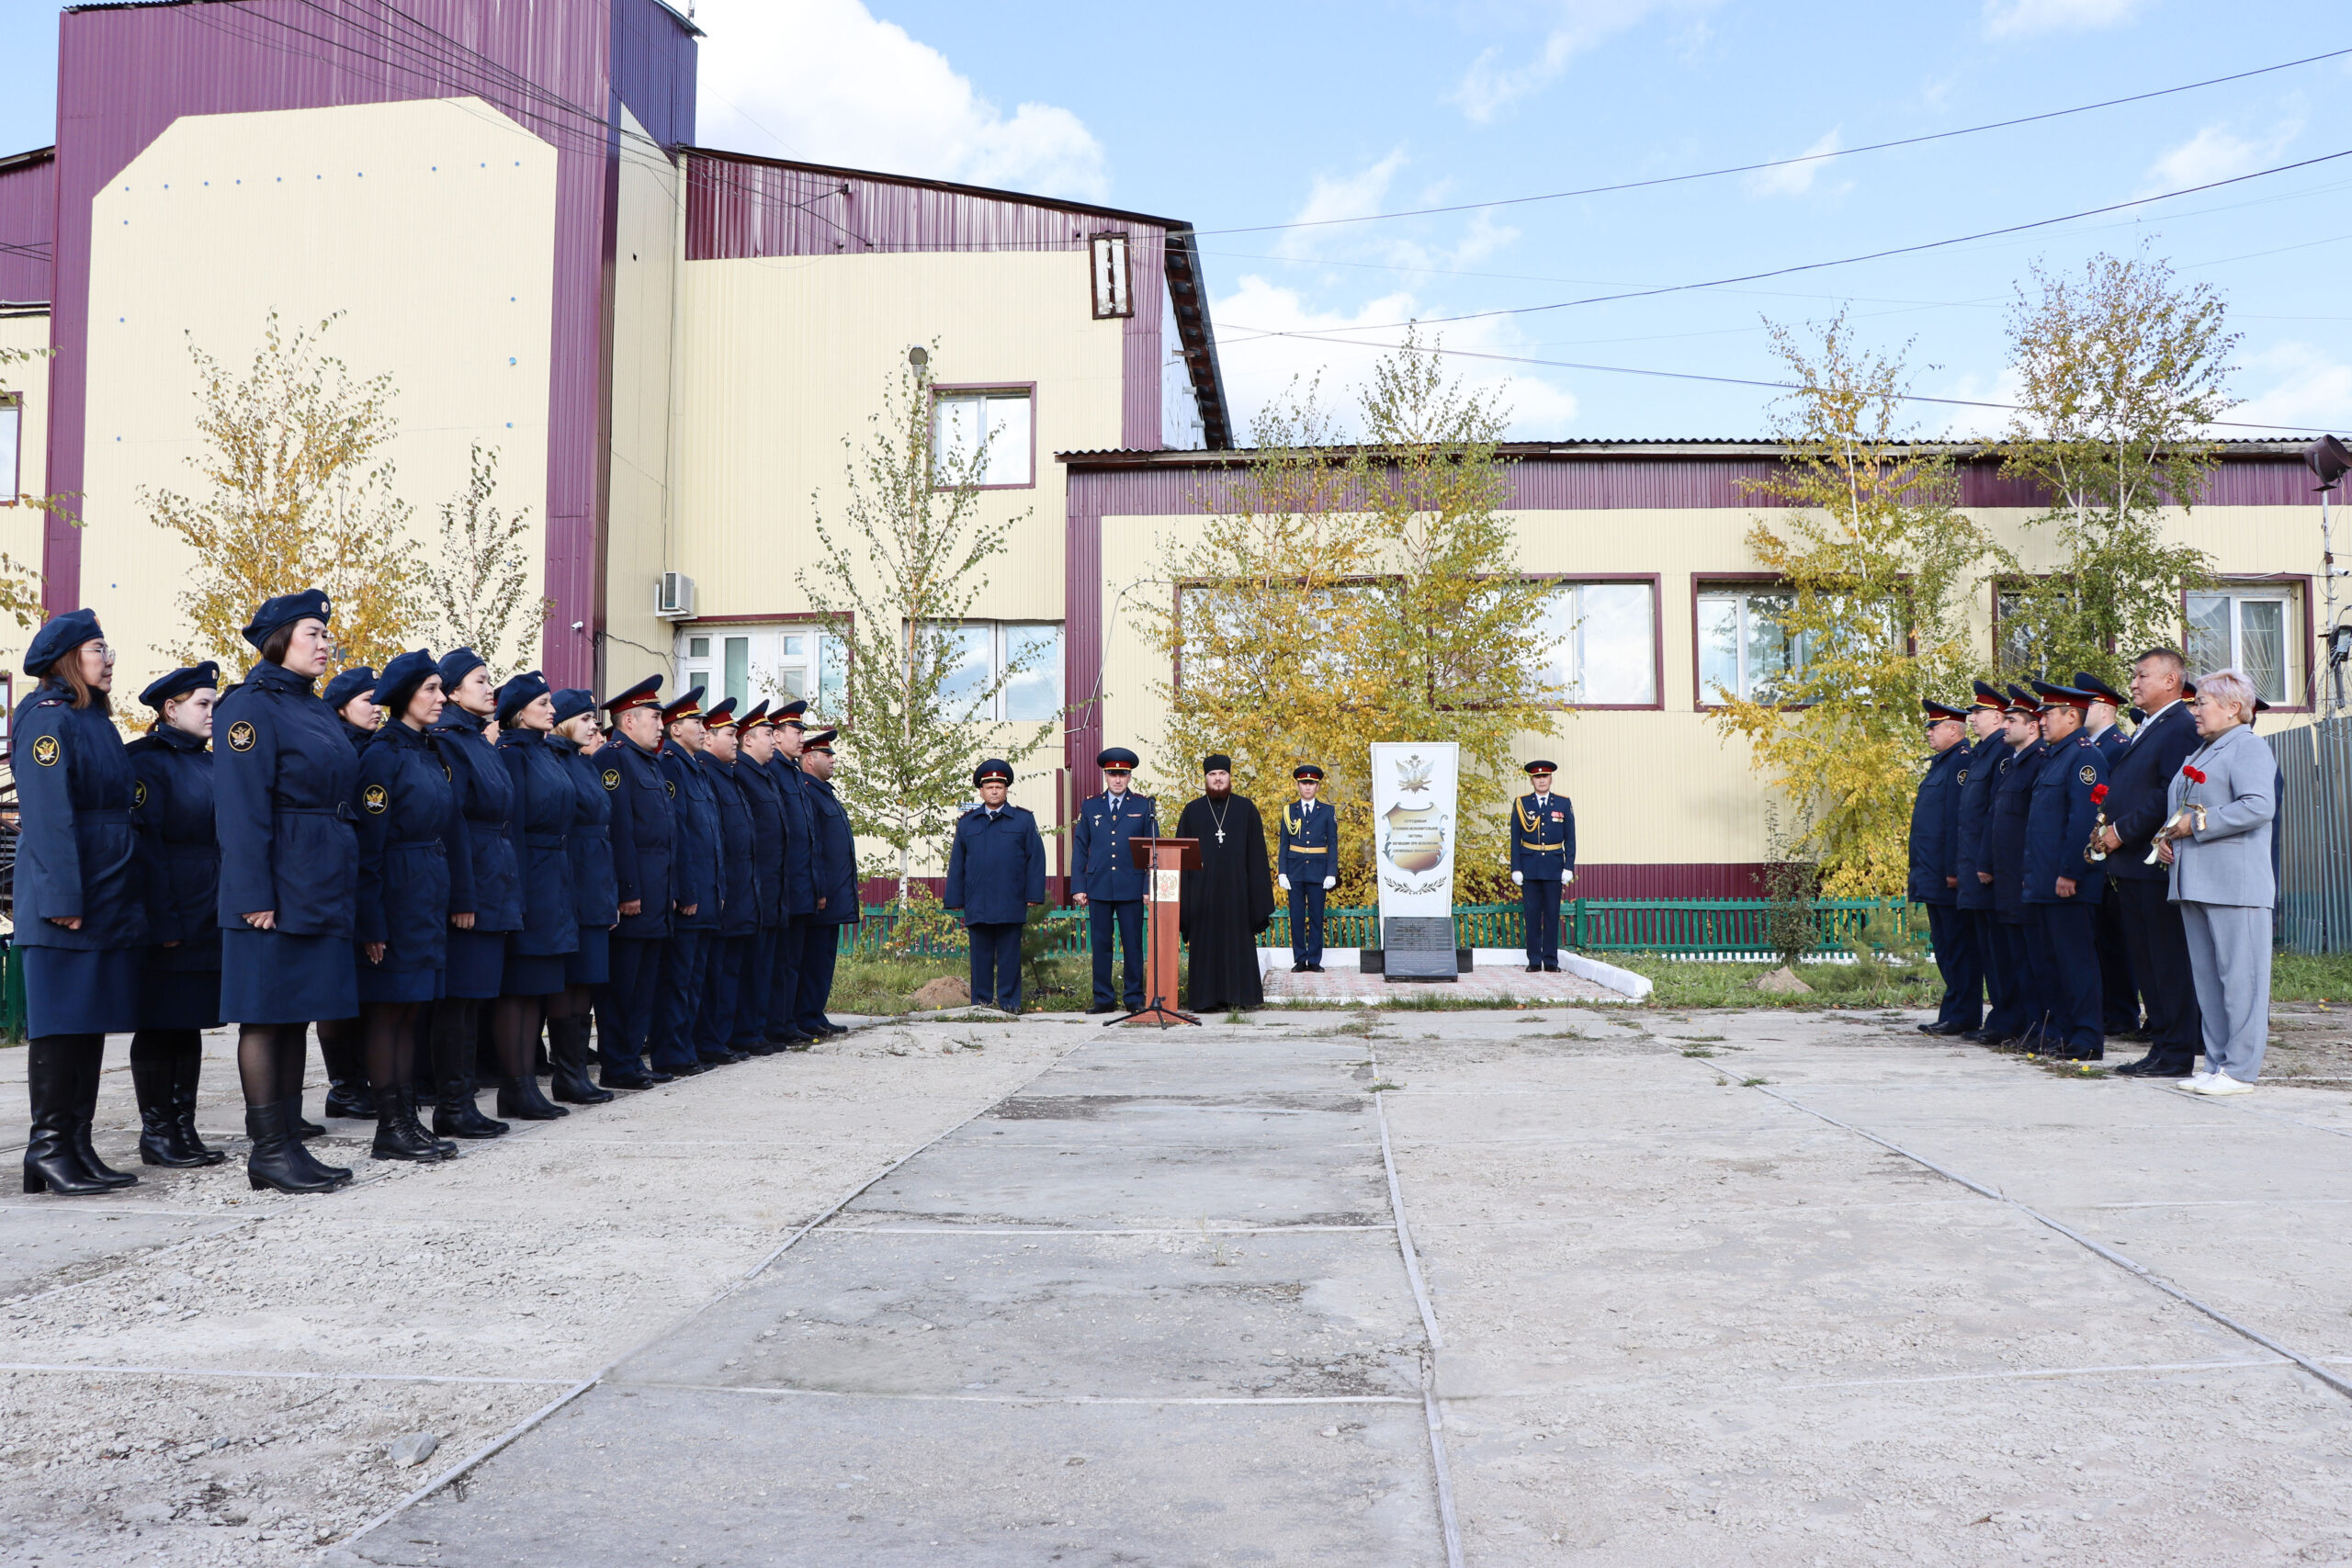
(2254, 627)
(981, 650)
(1113, 279)
(12, 435)
(1603, 643)
(764, 664)
(1743, 645)
(981, 438)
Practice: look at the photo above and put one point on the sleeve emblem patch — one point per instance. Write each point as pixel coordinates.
(612, 778)
(375, 800)
(46, 752)
(138, 793)
(2089, 774)
(1963, 775)
(671, 785)
(241, 735)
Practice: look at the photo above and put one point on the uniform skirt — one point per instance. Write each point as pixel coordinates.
(476, 966)
(592, 964)
(379, 984)
(534, 974)
(75, 990)
(278, 977)
(179, 999)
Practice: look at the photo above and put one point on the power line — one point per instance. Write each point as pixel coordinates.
(1781, 163)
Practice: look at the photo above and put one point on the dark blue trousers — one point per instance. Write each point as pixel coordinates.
(635, 988)
(1539, 901)
(1123, 918)
(2069, 941)
(820, 949)
(996, 964)
(1961, 961)
(1307, 919)
(685, 978)
(723, 992)
(758, 975)
(2007, 973)
(2118, 998)
(784, 980)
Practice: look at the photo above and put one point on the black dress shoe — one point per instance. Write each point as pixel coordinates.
(613, 1076)
(656, 1075)
(1315, 969)
(1102, 1007)
(689, 1070)
(1551, 969)
(1535, 969)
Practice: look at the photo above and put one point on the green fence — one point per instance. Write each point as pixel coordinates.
(12, 994)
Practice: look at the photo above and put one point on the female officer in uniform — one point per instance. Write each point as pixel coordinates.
(81, 924)
(289, 866)
(413, 889)
(596, 898)
(179, 852)
(542, 826)
(477, 955)
(352, 695)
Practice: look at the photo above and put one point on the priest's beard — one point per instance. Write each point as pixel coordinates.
(1224, 794)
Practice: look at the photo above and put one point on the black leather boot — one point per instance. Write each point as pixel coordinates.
(520, 1098)
(348, 1092)
(454, 1114)
(88, 1063)
(570, 1052)
(398, 1136)
(278, 1159)
(302, 1157)
(52, 1083)
(159, 1120)
(187, 1070)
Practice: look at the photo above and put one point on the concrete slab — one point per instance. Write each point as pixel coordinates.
(46, 1242)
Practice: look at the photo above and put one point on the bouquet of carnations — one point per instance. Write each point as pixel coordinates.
(2092, 852)
(2190, 819)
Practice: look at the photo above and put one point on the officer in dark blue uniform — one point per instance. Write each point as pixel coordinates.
(537, 955)
(739, 896)
(180, 851)
(996, 869)
(644, 847)
(834, 871)
(1543, 862)
(476, 972)
(1974, 802)
(2118, 998)
(755, 775)
(693, 922)
(1106, 883)
(1935, 871)
(2061, 883)
(350, 694)
(1306, 863)
(412, 891)
(2016, 1003)
(81, 919)
(799, 904)
(596, 898)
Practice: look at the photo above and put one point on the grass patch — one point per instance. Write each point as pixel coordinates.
(888, 985)
(2311, 977)
(1682, 985)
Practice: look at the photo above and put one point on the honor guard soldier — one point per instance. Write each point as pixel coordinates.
(1543, 862)
(995, 871)
(2118, 998)
(693, 920)
(834, 872)
(2061, 883)
(757, 774)
(1110, 887)
(1935, 871)
(739, 896)
(1307, 865)
(643, 843)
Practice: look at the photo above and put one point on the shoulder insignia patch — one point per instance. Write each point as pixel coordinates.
(611, 777)
(46, 750)
(138, 793)
(241, 735)
(2089, 774)
(375, 800)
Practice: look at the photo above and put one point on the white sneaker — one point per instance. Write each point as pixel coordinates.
(2221, 1083)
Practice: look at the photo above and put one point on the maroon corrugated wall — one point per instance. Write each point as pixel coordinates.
(28, 225)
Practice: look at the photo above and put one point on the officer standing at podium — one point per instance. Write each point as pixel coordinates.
(1105, 881)
(1308, 862)
(1543, 862)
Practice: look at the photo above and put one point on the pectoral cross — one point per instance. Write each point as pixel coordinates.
(1220, 835)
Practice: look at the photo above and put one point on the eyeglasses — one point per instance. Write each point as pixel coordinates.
(104, 653)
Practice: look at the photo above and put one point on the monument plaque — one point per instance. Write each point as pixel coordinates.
(1419, 947)
(1413, 802)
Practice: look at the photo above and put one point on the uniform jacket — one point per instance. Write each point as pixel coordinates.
(2111, 742)
(764, 794)
(739, 872)
(997, 868)
(358, 737)
(644, 836)
(486, 796)
(285, 786)
(2229, 862)
(2136, 784)
(1308, 841)
(414, 870)
(695, 873)
(541, 825)
(2004, 849)
(833, 854)
(799, 837)
(1543, 835)
(1935, 812)
(596, 899)
(179, 849)
(1972, 803)
(1101, 868)
(76, 851)
(2058, 826)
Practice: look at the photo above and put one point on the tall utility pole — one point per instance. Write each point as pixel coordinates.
(2329, 461)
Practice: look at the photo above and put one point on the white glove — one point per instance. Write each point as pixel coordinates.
(1284, 880)
(1329, 883)
(1518, 879)
(1567, 877)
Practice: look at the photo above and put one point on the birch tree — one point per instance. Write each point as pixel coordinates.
(479, 584)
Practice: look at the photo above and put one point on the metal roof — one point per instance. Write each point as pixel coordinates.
(1633, 446)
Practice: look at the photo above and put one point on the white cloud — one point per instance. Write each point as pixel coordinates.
(1503, 74)
(1369, 191)
(2217, 153)
(1352, 195)
(1793, 179)
(2002, 386)
(1258, 369)
(2027, 18)
(2299, 383)
(828, 81)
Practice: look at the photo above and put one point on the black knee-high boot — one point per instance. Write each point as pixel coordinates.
(89, 1062)
(278, 1159)
(188, 1070)
(348, 1091)
(52, 1082)
(155, 1064)
(451, 1041)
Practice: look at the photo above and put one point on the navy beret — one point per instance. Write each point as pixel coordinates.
(59, 635)
(358, 681)
(572, 701)
(180, 682)
(311, 603)
(519, 693)
(457, 664)
(402, 675)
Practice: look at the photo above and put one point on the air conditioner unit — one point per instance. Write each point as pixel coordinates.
(673, 596)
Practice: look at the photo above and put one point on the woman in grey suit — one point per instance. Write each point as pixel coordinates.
(2220, 810)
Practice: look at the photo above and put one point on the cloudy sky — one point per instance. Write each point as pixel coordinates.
(1239, 119)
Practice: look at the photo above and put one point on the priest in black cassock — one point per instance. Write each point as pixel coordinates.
(1230, 900)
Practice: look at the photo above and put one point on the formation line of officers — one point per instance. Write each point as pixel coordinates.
(430, 869)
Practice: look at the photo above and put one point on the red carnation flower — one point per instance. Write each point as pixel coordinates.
(2099, 794)
(2193, 775)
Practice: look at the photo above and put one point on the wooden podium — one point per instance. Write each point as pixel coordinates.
(1163, 860)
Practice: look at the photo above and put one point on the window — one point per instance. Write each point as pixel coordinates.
(1743, 647)
(2017, 647)
(981, 650)
(981, 438)
(1604, 643)
(2254, 627)
(1112, 278)
(12, 431)
(770, 664)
